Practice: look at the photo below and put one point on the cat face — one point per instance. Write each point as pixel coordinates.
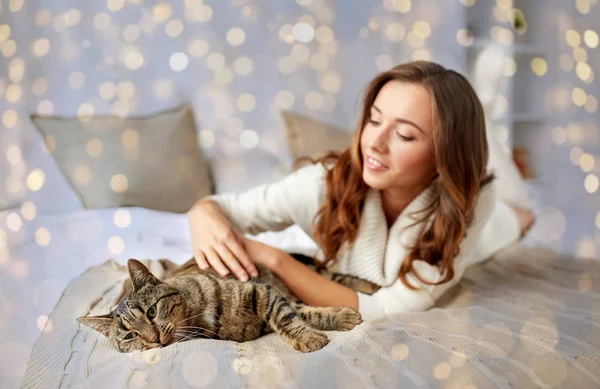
(145, 318)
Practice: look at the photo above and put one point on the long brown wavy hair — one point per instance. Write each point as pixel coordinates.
(461, 156)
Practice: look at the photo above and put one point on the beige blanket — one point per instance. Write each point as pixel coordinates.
(528, 318)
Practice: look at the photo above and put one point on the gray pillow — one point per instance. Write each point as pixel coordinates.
(151, 162)
(307, 137)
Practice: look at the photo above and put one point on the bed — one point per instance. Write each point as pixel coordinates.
(526, 318)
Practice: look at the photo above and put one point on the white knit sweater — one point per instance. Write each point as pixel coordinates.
(377, 253)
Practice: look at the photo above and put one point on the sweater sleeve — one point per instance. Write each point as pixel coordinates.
(397, 298)
(295, 199)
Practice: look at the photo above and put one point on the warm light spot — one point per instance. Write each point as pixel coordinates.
(206, 139)
(45, 107)
(14, 222)
(174, 28)
(575, 155)
(108, 90)
(76, 80)
(587, 162)
(115, 5)
(134, 60)
(586, 248)
(9, 118)
(9, 48)
(126, 90)
(162, 12)
(122, 218)
(215, 61)
(573, 38)
(131, 33)
(13, 93)
(590, 37)
(246, 102)
(303, 32)
(324, 34)
(35, 180)
(468, 3)
(539, 66)
(314, 100)
(578, 96)
(464, 37)
(16, 70)
(82, 174)
(331, 82)
(442, 371)
(243, 66)
(249, 139)
(119, 183)
(178, 61)
(400, 351)
(42, 236)
(101, 20)
(39, 86)
(395, 32)
(19, 269)
(44, 323)
(583, 6)
(15, 5)
(28, 210)
(198, 48)
(130, 139)
(422, 27)
(284, 99)
(591, 104)
(85, 110)
(319, 62)
(580, 54)
(162, 89)
(457, 359)
(235, 36)
(583, 71)
(4, 32)
(383, 62)
(116, 245)
(566, 63)
(287, 65)
(591, 183)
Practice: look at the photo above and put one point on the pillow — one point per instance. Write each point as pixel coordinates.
(152, 162)
(31, 175)
(245, 171)
(307, 137)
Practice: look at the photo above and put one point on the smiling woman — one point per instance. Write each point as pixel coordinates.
(408, 206)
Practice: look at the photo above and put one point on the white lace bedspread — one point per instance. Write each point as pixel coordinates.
(526, 319)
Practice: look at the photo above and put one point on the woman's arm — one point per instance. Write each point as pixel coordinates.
(311, 287)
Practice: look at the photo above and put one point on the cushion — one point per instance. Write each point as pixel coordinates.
(308, 137)
(246, 170)
(152, 162)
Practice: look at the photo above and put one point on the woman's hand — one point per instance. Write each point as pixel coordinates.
(216, 243)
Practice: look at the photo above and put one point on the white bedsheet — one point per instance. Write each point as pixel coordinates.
(33, 276)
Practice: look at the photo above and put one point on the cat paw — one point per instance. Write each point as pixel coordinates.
(310, 340)
(347, 318)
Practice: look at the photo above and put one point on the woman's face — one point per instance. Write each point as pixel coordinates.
(397, 141)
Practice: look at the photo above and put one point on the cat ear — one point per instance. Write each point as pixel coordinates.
(103, 324)
(140, 275)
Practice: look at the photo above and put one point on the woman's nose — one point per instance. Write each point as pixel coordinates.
(379, 140)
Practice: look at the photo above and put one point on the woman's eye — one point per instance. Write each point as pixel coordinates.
(404, 138)
(373, 122)
(151, 312)
(131, 335)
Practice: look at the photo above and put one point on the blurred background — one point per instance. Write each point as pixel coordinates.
(87, 86)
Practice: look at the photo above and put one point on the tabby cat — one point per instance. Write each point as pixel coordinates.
(190, 302)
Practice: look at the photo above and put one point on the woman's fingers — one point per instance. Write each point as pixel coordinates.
(215, 261)
(201, 260)
(237, 248)
(231, 262)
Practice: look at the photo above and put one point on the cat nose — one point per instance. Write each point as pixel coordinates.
(154, 339)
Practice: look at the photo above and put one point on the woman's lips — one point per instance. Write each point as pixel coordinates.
(374, 164)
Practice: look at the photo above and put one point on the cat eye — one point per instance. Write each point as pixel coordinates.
(151, 312)
(131, 335)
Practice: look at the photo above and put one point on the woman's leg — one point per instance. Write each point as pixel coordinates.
(509, 183)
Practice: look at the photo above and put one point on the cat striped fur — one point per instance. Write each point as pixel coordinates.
(189, 303)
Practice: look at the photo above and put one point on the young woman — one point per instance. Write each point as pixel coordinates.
(409, 206)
